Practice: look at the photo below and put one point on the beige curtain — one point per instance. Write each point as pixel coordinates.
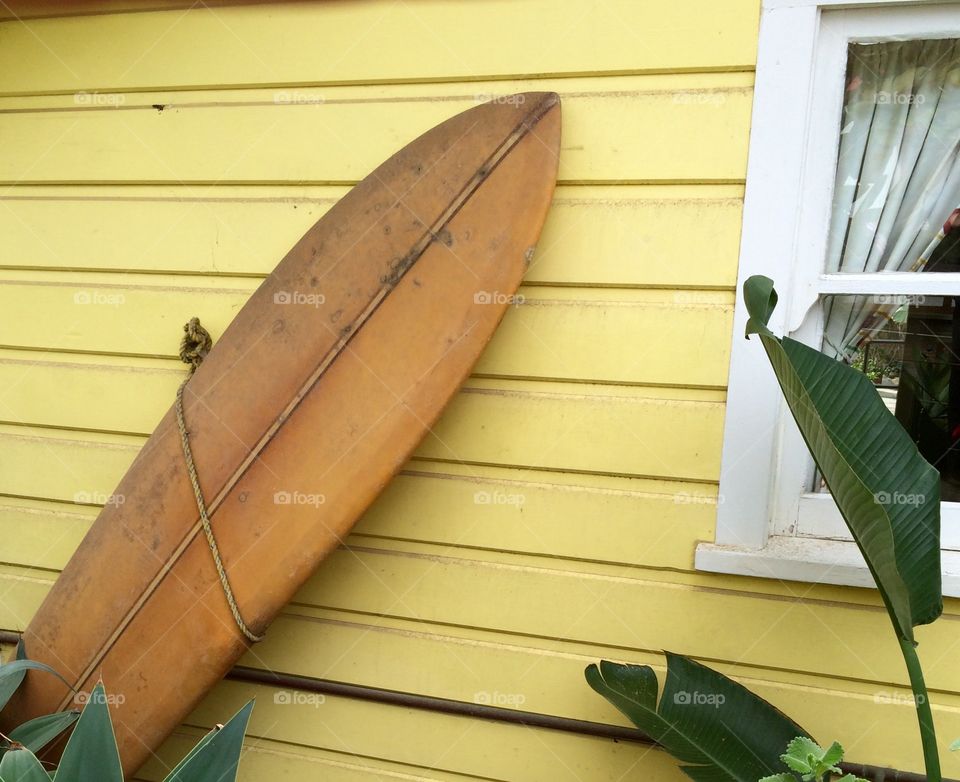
(898, 173)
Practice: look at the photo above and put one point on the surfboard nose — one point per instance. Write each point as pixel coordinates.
(529, 109)
(548, 103)
(541, 104)
(548, 99)
(535, 104)
(544, 120)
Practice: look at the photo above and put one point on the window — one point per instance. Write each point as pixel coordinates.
(853, 192)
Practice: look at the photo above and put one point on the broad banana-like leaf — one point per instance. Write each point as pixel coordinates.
(217, 755)
(20, 765)
(91, 752)
(887, 493)
(717, 727)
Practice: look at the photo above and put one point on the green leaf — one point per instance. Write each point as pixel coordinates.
(720, 729)
(217, 755)
(12, 673)
(808, 758)
(833, 755)
(35, 734)
(21, 765)
(196, 748)
(887, 493)
(780, 778)
(761, 300)
(801, 754)
(91, 753)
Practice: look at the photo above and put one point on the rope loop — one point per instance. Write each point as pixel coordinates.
(194, 347)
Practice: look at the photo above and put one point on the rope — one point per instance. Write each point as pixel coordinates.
(193, 349)
(195, 345)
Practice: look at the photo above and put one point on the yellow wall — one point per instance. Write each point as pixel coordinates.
(600, 400)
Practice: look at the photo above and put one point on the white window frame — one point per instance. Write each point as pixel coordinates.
(768, 523)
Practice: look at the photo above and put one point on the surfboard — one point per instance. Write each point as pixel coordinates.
(310, 401)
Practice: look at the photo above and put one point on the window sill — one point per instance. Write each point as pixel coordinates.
(810, 560)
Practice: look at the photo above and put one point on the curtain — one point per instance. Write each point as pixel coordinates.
(897, 186)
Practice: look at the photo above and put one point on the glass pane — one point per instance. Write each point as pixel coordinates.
(898, 172)
(906, 347)
(896, 208)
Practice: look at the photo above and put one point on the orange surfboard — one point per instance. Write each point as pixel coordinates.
(312, 399)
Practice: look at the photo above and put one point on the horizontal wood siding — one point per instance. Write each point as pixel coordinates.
(349, 42)
(155, 165)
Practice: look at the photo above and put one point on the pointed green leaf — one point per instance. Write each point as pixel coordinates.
(217, 755)
(35, 734)
(14, 676)
(722, 731)
(12, 673)
(633, 690)
(193, 751)
(887, 493)
(21, 765)
(91, 753)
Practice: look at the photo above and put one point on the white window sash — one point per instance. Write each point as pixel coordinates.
(820, 518)
(894, 283)
(766, 471)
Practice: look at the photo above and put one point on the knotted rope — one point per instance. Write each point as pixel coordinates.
(194, 347)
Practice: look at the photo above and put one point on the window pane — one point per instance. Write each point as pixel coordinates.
(905, 346)
(898, 176)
